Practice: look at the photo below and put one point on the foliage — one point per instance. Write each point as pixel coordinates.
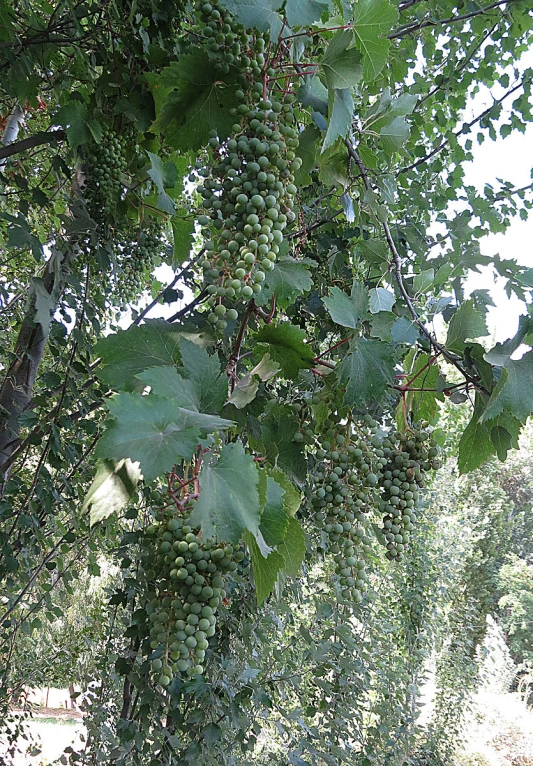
(253, 453)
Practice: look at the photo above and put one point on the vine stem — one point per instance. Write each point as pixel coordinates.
(234, 358)
(396, 266)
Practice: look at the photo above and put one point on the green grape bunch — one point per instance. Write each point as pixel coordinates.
(136, 255)
(105, 164)
(345, 476)
(409, 456)
(186, 577)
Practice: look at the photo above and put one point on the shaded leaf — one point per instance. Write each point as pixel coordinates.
(258, 14)
(293, 548)
(131, 351)
(265, 569)
(274, 517)
(246, 388)
(345, 310)
(466, 323)
(475, 444)
(514, 392)
(287, 347)
(366, 371)
(149, 430)
(205, 372)
(341, 108)
(341, 64)
(380, 299)
(112, 488)
(229, 498)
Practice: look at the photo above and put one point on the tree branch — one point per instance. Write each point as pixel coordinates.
(31, 142)
(397, 267)
(407, 29)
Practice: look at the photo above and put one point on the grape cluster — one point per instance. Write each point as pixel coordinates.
(186, 582)
(408, 457)
(226, 40)
(105, 165)
(345, 481)
(135, 260)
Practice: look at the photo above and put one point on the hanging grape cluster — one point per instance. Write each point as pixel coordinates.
(247, 181)
(345, 479)
(408, 457)
(186, 585)
(135, 259)
(105, 165)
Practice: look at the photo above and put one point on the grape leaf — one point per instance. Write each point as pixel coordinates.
(501, 353)
(73, 117)
(306, 150)
(113, 486)
(374, 251)
(265, 569)
(147, 429)
(277, 434)
(165, 381)
(366, 371)
(131, 351)
(182, 231)
(274, 517)
(286, 347)
(341, 64)
(293, 548)
(289, 279)
(423, 404)
(347, 310)
(341, 108)
(380, 299)
(229, 498)
(201, 103)
(246, 388)
(205, 372)
(514, 392)
(258, 14)
(373, 20)
(292, 499)
(475, 444)
(466, 323)
(158, 175)
(302, 13)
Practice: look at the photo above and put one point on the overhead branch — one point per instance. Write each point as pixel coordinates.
(464, 129)
(31, 142)
(408, 29)
(396, 267)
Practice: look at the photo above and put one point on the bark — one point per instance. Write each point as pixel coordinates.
(19, 379)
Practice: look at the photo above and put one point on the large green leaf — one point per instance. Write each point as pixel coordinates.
(341, 64)
(373, 20)
(150, 430)
(258, 14)
(287, 281)
(229, 498)
(166, 382)
(306, 151)
(380, 299)
(292, 499)
(204, 371)
(475, 444)
(113, 487)
(277, 433)
(286, 347)
(131, 351)
(265, 569)
(302, 13)
(394, 134)
(514, 392)
(466, 323)
(347, 310)
(293, 548)
(274, 517)
(366, 371)
(341, 108)
(201, 103)
(246, 388)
